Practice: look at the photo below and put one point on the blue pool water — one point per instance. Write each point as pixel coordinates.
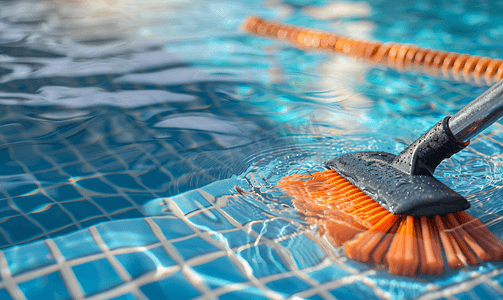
(126, 126)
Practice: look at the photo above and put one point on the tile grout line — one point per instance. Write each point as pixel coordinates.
(230, 254)
(236, 224)
(101, 177)
(275, 245)
(10, 285)
(190, 275)
(116, 265)
(460, 287)
(230, 219)
(152, 276)
(67, 273)
(93, 257)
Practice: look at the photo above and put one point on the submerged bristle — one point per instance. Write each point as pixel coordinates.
(407, 245)
(432, 261)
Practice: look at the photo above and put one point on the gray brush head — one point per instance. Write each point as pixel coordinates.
(404, 183)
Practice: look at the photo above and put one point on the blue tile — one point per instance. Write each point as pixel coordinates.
(5, 209)
(127, 233)
(77, 244)
(451, 277)
(79, 170)
(486, 267)
(210, 220)
(358, 266)
(22, 189)
(139, 263)
(173, 228)
(180, 169)
(330, 273)
(498, 278)
(96, 185)
(194, 247)
(7, 166)
(28, 257)
(32, 203)
(124, 181)
(64, 193)
(153, 206)
(263, 260)
(355, 290)
(94, 221)
(141, 198)
(48, 286)
(3, 241)
(288, 286)
(107, 164)
(128, 214)
(219, 272)
(222, 187)
(154, 179)
(21, 229)
(82, 210)
(96, 276)
(111, 203)
(399, 287)
(306, 252)
(481, 291)
(242, 211)
(50, 178)
(173, 287)
(36, 163)
(190, 201)
(52, 218)
(245, 294)
(274, 228)
(4, 295)
(66, 156)
(63, 231)
(125, 297)
(233, 239)
(87, 148)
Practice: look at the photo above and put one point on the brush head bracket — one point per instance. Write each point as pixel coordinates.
(404, 183)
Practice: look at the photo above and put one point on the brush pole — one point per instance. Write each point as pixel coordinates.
(478, 114)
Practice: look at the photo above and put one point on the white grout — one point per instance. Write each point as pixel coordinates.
(10, 285)
(66, 271)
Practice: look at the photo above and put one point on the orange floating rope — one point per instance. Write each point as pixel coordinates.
(407, 245)
(461, 67)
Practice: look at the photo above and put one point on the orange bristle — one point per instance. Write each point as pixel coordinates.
(407, 245)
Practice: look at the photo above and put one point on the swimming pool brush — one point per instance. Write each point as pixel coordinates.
(390, 210)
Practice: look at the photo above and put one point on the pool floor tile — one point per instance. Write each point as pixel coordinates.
(126, 233)
(96, 276)
(481, 291)
(355, 290)
(219, 272)
(194, 247)
(245, 294)
(49, 286)
(139, 263)
(328, 274)
(77, 244)
(28, 257)
(288, 286)
(175, 286)
(262, 260)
